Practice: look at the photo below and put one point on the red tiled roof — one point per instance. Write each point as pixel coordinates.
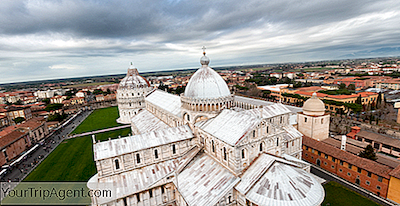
(355, 160)
(10, 137)
(396, 172)
(314, 88)
(351, 134)
(311, 93)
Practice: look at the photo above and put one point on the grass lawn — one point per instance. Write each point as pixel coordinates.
(336, 194)
(72, 160)
(99, 119)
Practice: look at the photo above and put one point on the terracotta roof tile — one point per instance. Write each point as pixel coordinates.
(10, 137)
(396, 172)
(355, 160)
(379, 138)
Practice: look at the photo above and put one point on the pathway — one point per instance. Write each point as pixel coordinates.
(99, 131)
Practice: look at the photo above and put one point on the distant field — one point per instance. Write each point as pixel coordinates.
(88, 84)
(99, 119)
(314, 69)
(256, 69)
(336, 194)
(72, 160)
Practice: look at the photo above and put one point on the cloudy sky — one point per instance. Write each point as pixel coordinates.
(69, 38)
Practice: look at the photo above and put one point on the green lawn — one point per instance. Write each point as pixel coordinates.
(336, 194)
(99, 119)
(72, 160)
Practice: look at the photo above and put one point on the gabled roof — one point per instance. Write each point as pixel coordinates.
(379, 138)
(348, 157)
(10, 137)
(134, 181)
(166, 101)
(116, 147)
(268, 111)
(229, 126)
(145, 121)
(396, 172)
(204, 181)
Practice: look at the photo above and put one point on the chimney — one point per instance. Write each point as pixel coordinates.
(343, 145)
(94, 139)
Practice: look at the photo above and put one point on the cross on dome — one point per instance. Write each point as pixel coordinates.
(204, 60)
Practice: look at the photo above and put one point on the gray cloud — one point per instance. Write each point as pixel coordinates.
(169, 34)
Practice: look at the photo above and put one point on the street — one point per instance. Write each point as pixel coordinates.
(19, 171)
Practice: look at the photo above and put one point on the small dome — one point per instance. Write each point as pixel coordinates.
(206, 83)
(133, 80)
(314, 106)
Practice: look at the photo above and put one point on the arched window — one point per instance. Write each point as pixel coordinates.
(243, 153)
(212, 145)
(277, 141)
(281, 119)
(173, 149)
(267, 129)
(261, 147)
(225, 154)
(322, 121)
(188, 118)
(254, 133)
(138, 158)
(305, 119)
(116, 164)
(156, 154)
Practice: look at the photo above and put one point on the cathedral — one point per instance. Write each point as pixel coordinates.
(206, 147)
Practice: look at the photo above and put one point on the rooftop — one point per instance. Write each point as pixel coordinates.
(166, 101)
(348, 157)
(204, 181)
(145, 121)
(116, 147)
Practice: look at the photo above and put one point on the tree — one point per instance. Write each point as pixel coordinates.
(163, 87)
(368, 153)
(342, 86)
(46, 101)
(358, 100)
(97, 91)
(18, 120)
(53, 107)
(351, 87)
(379, 101)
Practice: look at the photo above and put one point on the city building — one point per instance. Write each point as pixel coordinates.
(13, 144)
(13, 112)
(206, 147)
(380, 142)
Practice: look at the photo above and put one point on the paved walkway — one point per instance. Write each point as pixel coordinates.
(99, 131)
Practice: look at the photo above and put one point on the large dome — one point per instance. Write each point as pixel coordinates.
(133, 80)
(206, 83)
(314, 106)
